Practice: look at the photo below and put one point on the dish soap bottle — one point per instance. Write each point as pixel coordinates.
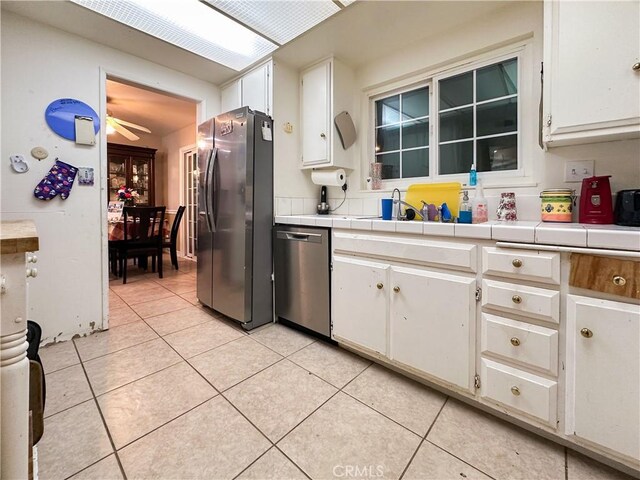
(479, 208)
(473, 176)
(465, 208)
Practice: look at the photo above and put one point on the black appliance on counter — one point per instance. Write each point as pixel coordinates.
(627, 208)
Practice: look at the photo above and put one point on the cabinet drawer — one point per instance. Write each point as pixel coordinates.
(530, 301)
(416, 250)
(605, 274)
(536, 396)
(521, 342)
(522, 264)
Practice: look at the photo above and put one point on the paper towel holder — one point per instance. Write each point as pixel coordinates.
(346, 129)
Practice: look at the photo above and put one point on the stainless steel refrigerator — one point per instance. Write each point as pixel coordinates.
(235, 216)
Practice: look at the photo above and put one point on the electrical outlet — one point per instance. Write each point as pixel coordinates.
(576, 171)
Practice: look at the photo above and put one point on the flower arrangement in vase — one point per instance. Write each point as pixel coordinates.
(128, 195)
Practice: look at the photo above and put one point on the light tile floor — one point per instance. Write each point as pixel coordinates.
(174, 391)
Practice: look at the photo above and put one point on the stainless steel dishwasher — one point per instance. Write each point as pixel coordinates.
(301, 275)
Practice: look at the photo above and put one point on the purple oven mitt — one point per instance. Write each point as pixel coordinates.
(59, 180)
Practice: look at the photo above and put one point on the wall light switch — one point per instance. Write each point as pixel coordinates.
(576, 171)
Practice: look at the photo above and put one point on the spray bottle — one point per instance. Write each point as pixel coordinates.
(479, 207)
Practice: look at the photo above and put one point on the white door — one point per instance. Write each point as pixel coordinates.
(316, 114)
(190, 196)
(603, 373)
(359, 294)
(432, 323)
(255, 89)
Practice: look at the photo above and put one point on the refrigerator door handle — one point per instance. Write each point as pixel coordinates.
(206, 193)
(213, 212)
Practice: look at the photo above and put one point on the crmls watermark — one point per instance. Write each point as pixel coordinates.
(358, 471)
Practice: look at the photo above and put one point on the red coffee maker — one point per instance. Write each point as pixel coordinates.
(595, 201)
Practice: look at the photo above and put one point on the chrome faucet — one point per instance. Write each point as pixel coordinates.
(398, 203)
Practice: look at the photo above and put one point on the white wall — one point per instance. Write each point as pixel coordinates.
(169, 181)
(518, 22)
(39, 65)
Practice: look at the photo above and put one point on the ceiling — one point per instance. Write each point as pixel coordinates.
(160, 113)
(359, 34)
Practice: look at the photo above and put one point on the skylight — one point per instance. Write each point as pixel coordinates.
(191, 25)
(280, 21)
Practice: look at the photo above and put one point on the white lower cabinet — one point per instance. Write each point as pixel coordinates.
(432, 323)
(603, 374)
(417, 317)
(359, 301)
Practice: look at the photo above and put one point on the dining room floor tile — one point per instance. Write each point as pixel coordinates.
(319, 413)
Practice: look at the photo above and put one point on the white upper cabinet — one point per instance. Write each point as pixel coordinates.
(326, 90)
(591, 71)
(253, 89)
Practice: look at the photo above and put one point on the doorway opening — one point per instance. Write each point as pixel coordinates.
(147, 132)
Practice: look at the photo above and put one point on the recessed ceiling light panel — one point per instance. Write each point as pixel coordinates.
(280, 21)
(190, 25)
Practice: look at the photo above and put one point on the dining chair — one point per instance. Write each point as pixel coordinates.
(143, 229)
(173, 239)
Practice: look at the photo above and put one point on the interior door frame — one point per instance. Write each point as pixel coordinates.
(146, 82)
(184, 236)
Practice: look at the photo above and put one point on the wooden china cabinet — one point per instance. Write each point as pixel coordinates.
(133, 167)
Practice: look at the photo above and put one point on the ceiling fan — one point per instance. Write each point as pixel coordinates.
(119, 126)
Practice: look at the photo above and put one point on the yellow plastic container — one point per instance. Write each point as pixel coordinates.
(436, 193)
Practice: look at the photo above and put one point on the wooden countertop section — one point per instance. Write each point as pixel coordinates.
(18, 236)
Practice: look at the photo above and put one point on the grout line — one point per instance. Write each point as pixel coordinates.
(566, 463)
(121, 349)
(89, 466)
(167, 422)
(104, 422)
(423, 439)
(140, 378)
(460, 459)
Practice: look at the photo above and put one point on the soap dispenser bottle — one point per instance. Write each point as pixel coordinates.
(465, 208)
(479, 207)
(473, 175)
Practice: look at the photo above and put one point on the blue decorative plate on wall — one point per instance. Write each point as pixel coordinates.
(61, 116)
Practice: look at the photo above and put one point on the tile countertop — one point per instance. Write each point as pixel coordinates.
(563, 234)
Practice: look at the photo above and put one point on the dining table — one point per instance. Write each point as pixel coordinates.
(116, 235)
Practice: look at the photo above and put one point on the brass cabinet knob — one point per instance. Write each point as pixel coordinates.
(517, 299)
(379, 285)
(619, 281)
(636, 67)
(515, 341)
(516, 262)
(515, 390)
(586, 333)
(396, 289)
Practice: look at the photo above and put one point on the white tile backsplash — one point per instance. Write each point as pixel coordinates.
(354, 206)
(283, 206)
(297, 206)
(310, 206)
(370, 206)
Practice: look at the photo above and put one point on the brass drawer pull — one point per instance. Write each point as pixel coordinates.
(380, 286)
(516, 262)
(619, 281)
(586, 333)
(515, 390)
(517, 299)
(515, 341)
(396, 289)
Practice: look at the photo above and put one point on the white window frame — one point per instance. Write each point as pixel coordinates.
(464, 176)
(528, 97)
(402, 91)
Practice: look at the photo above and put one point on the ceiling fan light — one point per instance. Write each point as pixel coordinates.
(110, 130)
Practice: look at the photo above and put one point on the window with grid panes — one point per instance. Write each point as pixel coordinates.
(402, 134)
(478, 119)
